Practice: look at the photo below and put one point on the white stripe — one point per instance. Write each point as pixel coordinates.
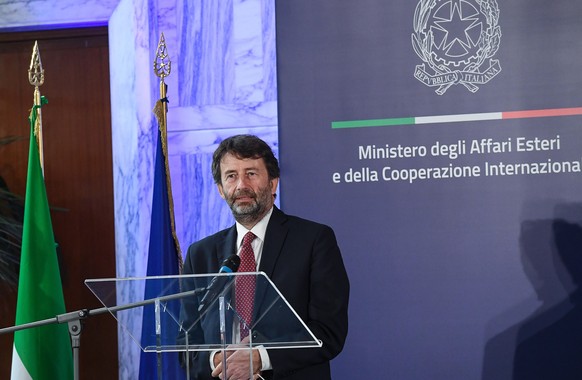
(19, 371)
(457, 118)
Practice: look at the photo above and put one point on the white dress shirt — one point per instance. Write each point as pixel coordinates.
(259, 230)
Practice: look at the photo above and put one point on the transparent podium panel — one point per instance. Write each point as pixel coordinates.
(199, 313)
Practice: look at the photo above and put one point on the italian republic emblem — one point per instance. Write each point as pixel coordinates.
(456, 40)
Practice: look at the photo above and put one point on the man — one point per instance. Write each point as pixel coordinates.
(301, 257)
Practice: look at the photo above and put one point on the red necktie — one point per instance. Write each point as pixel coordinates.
(245, 285)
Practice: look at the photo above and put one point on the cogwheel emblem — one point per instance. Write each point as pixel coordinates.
(456, 39)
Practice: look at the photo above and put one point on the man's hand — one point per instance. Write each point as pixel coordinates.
(237, 365)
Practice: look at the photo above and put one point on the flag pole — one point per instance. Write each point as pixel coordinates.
(36, 79)
(162, 69)
(39, 353)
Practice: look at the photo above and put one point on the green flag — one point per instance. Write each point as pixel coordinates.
(41, 352)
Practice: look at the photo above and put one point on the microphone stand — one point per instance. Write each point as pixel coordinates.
(74, 319)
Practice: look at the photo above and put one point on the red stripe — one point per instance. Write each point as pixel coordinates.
(542, 113)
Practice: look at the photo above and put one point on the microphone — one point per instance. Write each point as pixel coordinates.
(230, 265)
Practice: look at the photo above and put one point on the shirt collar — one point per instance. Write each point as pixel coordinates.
(259, 229)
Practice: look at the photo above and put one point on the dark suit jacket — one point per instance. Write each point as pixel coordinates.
(303, 260)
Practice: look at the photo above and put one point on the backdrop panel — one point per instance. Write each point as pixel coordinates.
(442, 140)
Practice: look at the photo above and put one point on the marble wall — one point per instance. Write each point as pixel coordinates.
(222, 82)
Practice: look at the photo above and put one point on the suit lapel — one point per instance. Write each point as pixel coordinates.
(226, 246)
(224, 249)
(274, 239)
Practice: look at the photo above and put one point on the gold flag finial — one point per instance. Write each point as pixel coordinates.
(35, 71)
(162, 63)
(162, 68)
(36, 78)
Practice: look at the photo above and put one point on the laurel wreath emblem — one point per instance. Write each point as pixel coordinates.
(445, 73)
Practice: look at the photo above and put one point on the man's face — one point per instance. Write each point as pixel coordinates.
(246, 188)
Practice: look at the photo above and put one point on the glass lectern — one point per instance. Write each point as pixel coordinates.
(175, 319)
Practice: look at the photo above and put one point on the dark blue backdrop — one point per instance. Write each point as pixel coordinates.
(450, 277)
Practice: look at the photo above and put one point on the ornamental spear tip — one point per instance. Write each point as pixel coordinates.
(35, 71)
(162, 63)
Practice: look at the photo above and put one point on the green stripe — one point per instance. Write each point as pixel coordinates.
(372, 123)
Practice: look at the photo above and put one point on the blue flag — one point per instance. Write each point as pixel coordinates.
(164, 258)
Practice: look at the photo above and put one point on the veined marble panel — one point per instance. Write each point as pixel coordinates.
(167, 24)
(133, 146)
(227, 52)
(222, 116)
(206, 64)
